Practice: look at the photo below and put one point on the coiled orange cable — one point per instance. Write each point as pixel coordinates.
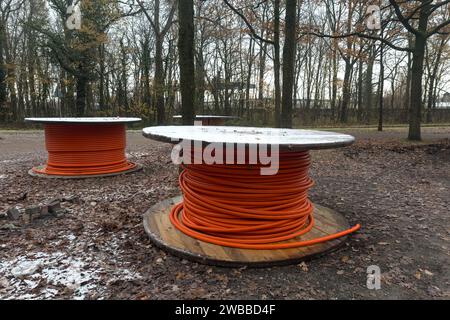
(235, 206)
(85, 149)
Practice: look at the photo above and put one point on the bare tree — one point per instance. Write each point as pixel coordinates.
(160, 31)
(187, 65)
(289, 62)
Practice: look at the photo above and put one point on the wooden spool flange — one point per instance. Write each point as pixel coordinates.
(31, 172)
(162, 233)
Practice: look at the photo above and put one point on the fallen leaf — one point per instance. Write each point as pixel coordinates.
(428, 273)
(303, 266)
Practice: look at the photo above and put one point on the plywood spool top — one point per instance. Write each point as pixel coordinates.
(206, 117)
(291, 139)
(112, 120)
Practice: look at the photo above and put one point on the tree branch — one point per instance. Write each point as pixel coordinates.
(402, 18)
(147, 15)
(169, 21)
(438, 28)
(252, 30)
(361, 35)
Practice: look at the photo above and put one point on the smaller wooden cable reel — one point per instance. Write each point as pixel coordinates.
(231, 215)
(210, 120)
(85, 147)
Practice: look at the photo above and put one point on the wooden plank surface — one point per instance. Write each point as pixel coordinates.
(161, 231)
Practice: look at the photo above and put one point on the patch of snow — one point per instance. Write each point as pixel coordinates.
(14, 161)
(25, 268)
(51, 274)
(136, 154)
(70, 237)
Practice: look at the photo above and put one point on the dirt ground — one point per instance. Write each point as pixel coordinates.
(398, 191)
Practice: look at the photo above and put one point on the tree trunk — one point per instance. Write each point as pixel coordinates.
(407, 96)
(432, 85)
(227, 85)
(200, 85)
(81, 96)
(334, 82)
(249, 77)
(3, 75)
(368, 94)
(146, 77)
(381, 89)
(10, 78)
(346, 92)
(186, 59)
(430, 98)
(289, 63)
(159, 81)
(415, 111)
(262, 70)
(123, 96)
(277, 62)
(216, 93)
(360, 92)
(69, 99)
(101, 84)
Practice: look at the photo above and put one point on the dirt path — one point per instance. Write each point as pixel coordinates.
(398, 191)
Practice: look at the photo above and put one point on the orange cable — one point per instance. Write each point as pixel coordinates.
(86, 149)
(235, 206)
